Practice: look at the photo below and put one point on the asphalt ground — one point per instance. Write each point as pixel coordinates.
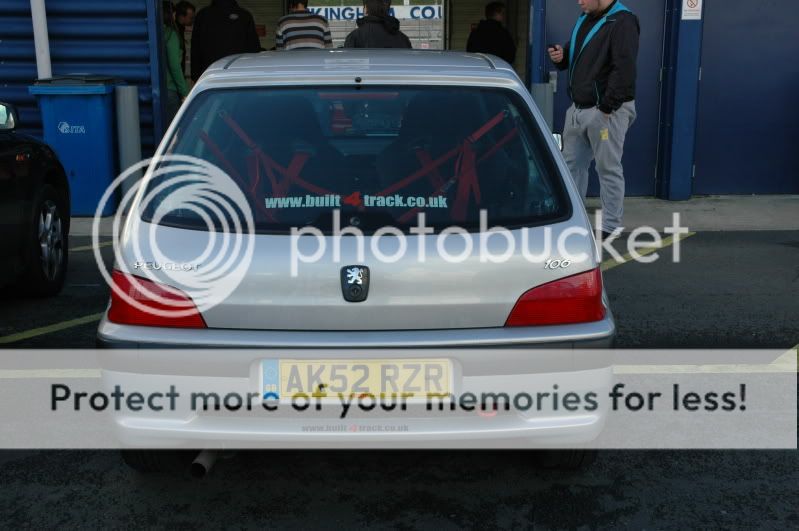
(731, 290)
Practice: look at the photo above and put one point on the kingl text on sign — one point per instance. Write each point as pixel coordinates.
(425, 12)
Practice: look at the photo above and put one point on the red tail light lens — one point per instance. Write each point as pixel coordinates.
(575, 299)
(158, 305)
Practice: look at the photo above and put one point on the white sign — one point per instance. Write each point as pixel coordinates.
(692, 9)
(425, 12)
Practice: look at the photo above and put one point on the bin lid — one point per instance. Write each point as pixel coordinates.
(75, 84)
(78, 79)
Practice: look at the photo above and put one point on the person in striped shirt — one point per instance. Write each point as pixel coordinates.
(302, 29)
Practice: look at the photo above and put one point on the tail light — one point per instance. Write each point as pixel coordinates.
(158, 304)
(570, 300)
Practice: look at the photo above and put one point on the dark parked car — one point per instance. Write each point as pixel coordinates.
(34, 212)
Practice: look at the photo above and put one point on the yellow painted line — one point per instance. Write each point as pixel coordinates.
(38, 374)
(89, 247)
(788, 362)
(610, 263)
(49, 329)
(57, 327)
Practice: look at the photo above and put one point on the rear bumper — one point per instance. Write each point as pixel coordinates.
(418, 427)
(489, 360)
(405, 343)
(132, 348)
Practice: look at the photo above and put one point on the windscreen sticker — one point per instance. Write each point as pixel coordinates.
(356, 200)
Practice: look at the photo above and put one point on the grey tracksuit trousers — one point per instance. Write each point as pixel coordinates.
(590, 135)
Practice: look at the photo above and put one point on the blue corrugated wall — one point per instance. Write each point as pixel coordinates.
(101, 37)
(747, 117)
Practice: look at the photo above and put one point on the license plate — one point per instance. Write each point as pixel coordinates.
(285, 379)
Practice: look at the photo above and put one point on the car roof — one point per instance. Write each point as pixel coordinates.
(346, 62)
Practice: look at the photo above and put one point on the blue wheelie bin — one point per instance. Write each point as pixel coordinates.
(78, 123)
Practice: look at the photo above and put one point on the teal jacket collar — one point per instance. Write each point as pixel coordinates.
(574, 55)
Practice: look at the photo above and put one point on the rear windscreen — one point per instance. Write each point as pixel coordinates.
(380, 156)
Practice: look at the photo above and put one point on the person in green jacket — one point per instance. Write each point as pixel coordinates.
(176, 87)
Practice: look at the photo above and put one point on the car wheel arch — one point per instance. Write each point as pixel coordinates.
(56, 177)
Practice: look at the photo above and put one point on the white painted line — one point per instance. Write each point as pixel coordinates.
(36, 374)
(787, 362)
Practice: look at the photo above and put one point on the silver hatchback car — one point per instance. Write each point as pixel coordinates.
(403, 221)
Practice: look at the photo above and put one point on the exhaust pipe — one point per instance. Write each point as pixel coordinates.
(203, 463)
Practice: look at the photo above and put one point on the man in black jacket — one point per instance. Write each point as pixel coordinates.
(601, 61)
(377, 29)
(221, 29)
(491, 36)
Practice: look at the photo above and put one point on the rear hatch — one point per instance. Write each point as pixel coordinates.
(413, 176)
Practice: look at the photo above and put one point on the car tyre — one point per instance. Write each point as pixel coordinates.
(48, 244)
(159, 461)
(565, 459)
